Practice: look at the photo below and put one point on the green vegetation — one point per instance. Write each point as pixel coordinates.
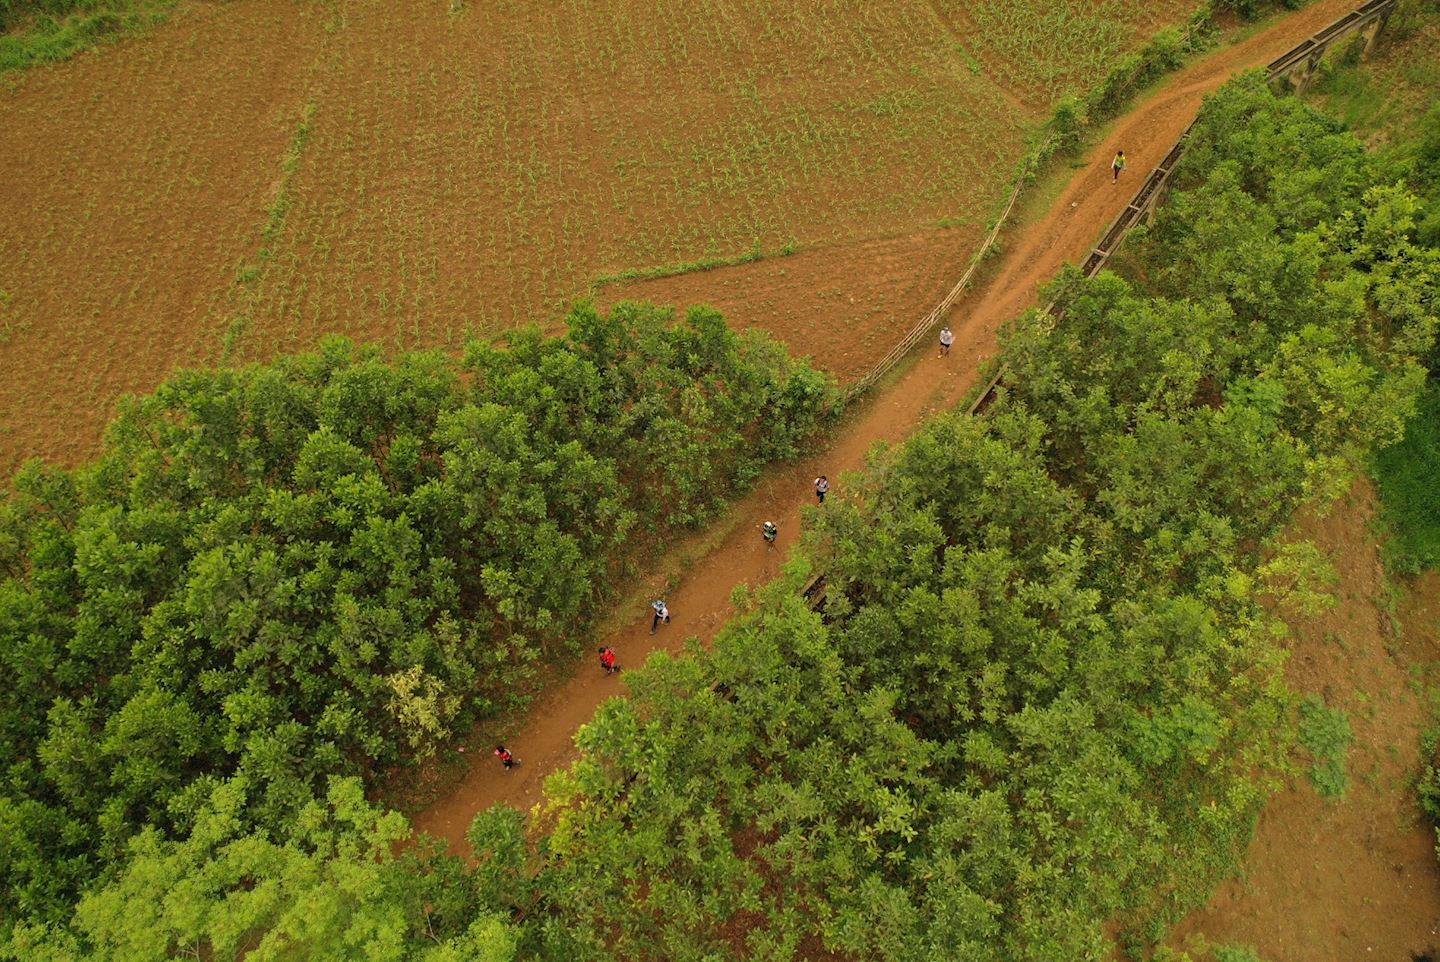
(1393, 101)
(1325, 734)
(1408, 474)
(1236, 953)
(1043, 702)
(1044, 698)
(330, 564)
(1044, 684)
(750, 256)
(43, 31)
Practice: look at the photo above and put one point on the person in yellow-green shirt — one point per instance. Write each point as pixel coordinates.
(1117, 165)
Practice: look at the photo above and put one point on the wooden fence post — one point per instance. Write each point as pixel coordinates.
(1372, 33)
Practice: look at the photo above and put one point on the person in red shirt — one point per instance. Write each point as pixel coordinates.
(506, 758)
(607, 660)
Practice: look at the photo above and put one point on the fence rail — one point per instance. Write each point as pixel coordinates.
(923, 327)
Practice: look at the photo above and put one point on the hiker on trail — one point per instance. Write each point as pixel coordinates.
(946, 339)
(1117, 165)
(506, 758)
(662, 613)
(769, 531)
(822, 486)
(607, 660)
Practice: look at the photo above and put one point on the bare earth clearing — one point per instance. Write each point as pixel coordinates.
(1355, 878)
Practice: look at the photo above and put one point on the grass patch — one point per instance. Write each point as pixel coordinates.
(750, 256)
(1236, 953)
(1428, 784)
(1325, 734)
(248, 275)
(1408, 476)
(46, 32)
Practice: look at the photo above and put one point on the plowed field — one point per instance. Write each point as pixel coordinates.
(256, 174)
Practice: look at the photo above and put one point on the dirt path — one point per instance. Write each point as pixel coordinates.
(1034, 253)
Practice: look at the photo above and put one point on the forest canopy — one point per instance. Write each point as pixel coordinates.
(1042, 704)
(329, 564)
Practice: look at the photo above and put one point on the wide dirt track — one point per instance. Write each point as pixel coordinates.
(256, 174)
(1033, 254)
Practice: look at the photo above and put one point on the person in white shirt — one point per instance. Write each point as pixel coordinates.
(662, 614)
(822, 486)
(946, 339)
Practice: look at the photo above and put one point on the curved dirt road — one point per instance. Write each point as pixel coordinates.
(1033, 254)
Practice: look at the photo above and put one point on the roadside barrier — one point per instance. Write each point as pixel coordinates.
(1298, 66)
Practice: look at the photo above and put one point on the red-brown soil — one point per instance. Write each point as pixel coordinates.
(1034, 252)
(843, 305)
(494, 162)
(1354, 878)
(133, 182)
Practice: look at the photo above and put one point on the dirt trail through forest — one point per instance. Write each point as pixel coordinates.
(1033, 255)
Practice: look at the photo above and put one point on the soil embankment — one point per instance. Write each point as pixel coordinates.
(1354, 877)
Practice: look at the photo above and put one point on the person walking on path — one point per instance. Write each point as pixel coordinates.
(1117, 165)
(947, 337)
(506, 758)
(822, 486)
(607, 660)
(769, 531)
(662, 614)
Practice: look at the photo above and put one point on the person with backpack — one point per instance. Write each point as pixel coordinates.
(769, 531)
(607, 660)
(1117, 165)
(507, 758)
(822, 487)
(662, 614)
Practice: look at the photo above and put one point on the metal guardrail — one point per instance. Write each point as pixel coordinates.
(1308, 52)
(1315, 46)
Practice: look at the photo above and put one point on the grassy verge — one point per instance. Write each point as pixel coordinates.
(750, 256)
(47, 32)
(1408, 474)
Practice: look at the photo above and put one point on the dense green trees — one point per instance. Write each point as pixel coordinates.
(1043, 703)
(1044, 697)
(326, 565)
